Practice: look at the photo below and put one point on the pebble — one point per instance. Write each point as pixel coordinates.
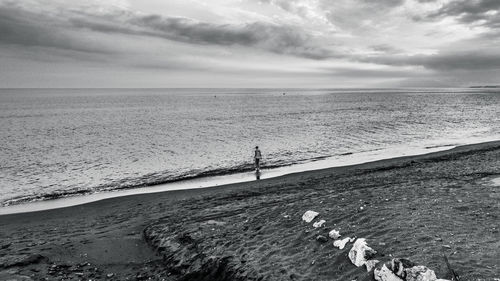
(334, 234)
(309, 216)
(319, 223)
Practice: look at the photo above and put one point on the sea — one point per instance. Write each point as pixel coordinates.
(57, 143)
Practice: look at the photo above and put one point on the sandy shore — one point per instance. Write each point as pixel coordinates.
(412, 207)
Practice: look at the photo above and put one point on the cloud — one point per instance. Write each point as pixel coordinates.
(358, 14)
(371, 73)
(480, 12)
(321, 39)
(464, 60)
(386, 48)
(30, 29)
(270, 37)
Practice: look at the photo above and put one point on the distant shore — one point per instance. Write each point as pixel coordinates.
(411, 207)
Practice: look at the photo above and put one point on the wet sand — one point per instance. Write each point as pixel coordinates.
(412, 207)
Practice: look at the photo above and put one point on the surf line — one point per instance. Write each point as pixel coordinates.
(207, 182)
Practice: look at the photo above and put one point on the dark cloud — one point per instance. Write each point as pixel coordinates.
(20, 27)
(481, 12)
(28, 28)
(278, 39)
(370, 73)
(466, 60)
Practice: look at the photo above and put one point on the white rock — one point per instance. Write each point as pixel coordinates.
(341, 243)
(309, 216)
(420, 273)
(398, 266)
(334, 234)
(319, 223)
(385, 274)
(360, 252)
(370, 264)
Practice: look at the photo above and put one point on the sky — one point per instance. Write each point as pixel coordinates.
(249, 43)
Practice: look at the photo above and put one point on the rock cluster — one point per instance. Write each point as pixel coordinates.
(362, 254)
(403, 270)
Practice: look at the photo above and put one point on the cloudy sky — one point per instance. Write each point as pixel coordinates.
(249, 43)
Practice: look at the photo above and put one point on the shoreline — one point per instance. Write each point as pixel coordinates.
(214, 181)
(262, 220)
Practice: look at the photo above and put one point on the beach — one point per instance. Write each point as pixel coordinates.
(417, 208)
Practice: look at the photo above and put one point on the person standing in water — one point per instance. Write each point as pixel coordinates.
(257, 158)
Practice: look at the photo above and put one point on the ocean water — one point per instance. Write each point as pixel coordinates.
(63, 142)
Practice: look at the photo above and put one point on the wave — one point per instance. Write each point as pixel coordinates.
(157, 179)
(160, 178)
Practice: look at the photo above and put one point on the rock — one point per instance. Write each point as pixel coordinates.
(397, 268)
(334, 234)
(420, 273)
(309, 216)
(321, 239)
(385, 274)
(319, 223)
(341, 243)
(110, 275)
(360, 252)
(370, 264)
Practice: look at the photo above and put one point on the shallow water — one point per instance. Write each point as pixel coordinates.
(72, 141)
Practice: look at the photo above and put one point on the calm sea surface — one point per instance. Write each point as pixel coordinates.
(63, 142)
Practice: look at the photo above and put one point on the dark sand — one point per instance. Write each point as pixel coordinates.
(413, 207)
